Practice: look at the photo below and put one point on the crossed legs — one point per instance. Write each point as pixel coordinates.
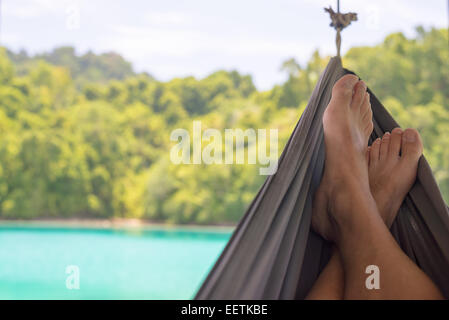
(359, 196)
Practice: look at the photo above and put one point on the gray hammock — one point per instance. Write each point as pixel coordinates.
(274, 254)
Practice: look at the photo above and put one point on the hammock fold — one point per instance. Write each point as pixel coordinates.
(274, 254)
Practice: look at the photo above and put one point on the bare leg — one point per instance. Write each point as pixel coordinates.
(330, 283)
(351, 218)
(391, 175)
(370, 243)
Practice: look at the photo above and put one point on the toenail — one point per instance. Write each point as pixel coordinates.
(363, 84)
(348, 85)
(409, 136)
(386, 135)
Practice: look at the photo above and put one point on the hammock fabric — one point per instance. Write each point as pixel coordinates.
(274, 254)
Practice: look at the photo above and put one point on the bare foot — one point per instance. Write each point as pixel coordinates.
(393, 163)
(347, 124)
(345, 211)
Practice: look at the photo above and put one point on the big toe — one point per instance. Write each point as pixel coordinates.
(359, 94)
(411, 148)
(344, 88)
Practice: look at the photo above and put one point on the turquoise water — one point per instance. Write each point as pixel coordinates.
(112, 264)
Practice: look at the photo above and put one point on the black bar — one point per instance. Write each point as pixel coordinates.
(226, 310)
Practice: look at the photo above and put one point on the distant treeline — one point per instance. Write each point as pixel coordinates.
(85, 136)
(88, 67)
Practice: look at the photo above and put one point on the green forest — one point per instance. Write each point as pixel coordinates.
(85, 136)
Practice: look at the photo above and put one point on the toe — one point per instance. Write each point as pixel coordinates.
(395, 144)
(359, 94)
(368, 129)
(365, 109)
(367, 115)
(343, 88)
(384, 146)
(374, 152)
(411, 148)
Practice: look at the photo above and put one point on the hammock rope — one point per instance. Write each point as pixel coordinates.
(339, 22)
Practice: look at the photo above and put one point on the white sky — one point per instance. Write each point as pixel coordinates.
(174, 38)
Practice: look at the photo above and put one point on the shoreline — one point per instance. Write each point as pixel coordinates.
(116, 223)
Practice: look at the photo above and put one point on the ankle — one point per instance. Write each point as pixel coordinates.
(353, 211)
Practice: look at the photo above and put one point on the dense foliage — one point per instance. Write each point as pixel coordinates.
(85, 136)
(86, 68)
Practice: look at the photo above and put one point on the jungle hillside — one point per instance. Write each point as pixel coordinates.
(85, 136)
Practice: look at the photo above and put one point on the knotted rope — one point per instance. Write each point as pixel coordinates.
(339, 22)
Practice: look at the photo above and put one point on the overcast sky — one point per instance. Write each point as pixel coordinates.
(174, 38)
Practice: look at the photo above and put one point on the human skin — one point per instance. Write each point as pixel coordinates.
(345, 208)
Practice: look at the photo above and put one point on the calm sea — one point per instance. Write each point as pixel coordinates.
(83, 263)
